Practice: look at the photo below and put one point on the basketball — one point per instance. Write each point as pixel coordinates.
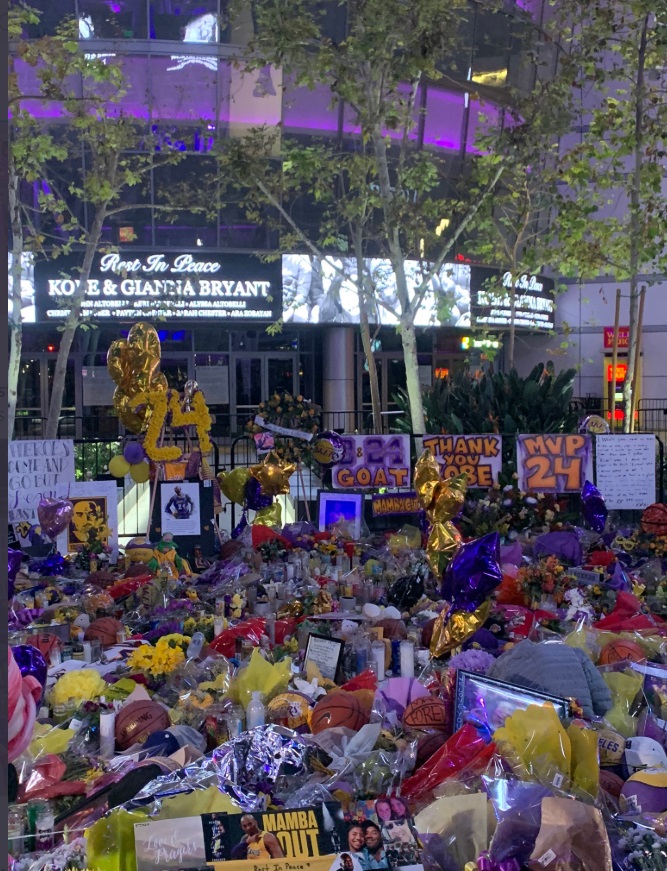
(611, 783)
(645, 792)
(337, 709)
(103, 630)
(620, 651)
(428, 744)
(101, 578)
(654, 519)
(136, 721)
(611, 747)
(428, 712)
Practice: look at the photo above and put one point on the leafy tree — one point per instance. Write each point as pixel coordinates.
(117, 153)
(391, 191)
(612, 214)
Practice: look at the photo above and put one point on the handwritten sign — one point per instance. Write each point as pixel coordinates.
(373, 461)
(37, 469)
(479, 456)
(554, 463)
(625, 470)
(387, 504)
(170, 844)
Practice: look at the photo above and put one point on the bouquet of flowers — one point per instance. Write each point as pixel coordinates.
(508, 511)
(644, 849)
(158, 662)
(546, 580)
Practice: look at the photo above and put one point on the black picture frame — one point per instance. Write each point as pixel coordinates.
(335, 646)
(509, 695)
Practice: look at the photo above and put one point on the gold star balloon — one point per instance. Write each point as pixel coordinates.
(273, 474)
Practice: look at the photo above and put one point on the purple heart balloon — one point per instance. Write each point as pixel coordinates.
(54, 516)
(30, 662)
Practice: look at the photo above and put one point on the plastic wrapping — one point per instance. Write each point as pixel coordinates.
(267, 761)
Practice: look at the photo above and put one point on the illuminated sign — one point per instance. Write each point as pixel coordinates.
(181, 286)
(623, 338)
(621, 371)
(534, 303)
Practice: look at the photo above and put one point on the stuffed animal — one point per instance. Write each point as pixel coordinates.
(24, 694)
(166, 552)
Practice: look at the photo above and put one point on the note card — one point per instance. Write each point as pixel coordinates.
(625, 468)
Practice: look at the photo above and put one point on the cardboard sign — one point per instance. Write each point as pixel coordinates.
(554, 463)
(625, 470)
(37, 469)
(479, 456)
(388, 504)
(373, 461)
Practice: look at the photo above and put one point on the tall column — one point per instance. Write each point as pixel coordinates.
(338, 378)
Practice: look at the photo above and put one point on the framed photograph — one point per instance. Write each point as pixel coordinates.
(325, 653)
(487, 703)
(333, 508)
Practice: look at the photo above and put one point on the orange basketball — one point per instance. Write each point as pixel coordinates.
(426, 712)
(136, 721)
(337, 709)
(620, 651)
(654, 519)
(104, 630)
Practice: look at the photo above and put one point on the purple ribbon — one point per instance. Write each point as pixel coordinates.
(486, 863)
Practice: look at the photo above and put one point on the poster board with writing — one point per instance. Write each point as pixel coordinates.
(479, 456)
(373, 461)
(37, 468)
(554, 462)
(625, 470)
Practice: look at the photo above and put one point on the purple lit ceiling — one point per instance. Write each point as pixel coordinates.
(191, 89)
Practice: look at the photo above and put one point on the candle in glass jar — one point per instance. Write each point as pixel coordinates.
(377, 653)
(407, 659)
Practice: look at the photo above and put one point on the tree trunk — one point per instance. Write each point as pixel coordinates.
(15, 322)
(409, 341)
(71, 326)
(635, 231)
(365, 330)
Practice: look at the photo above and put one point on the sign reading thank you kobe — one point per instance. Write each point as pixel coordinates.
(171, 285)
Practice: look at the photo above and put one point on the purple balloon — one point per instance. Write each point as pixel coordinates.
(565, 545)
(54, 516)
(134, 453)
(335, 445)
(254, 498)
(473, 573)
(240, 526)
(593, 507)
(30, 662)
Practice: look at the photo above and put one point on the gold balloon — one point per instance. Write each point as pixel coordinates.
(441, 500)
(291, 609)
(323, 603)
(232, 484)
(273, 474)
(119, 466)
(443, 542)
(133, 364)
(271, 516)
(450, 632)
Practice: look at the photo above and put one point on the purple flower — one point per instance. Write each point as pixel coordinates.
(478, 661)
